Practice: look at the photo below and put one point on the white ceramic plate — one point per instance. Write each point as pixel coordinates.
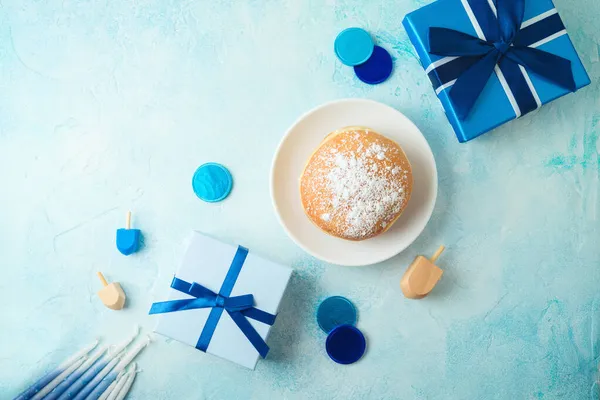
(305, 136)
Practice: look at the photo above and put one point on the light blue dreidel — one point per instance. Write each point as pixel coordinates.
(128, 240)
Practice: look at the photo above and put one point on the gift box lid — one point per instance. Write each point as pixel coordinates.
(493, 108)
(207, 262)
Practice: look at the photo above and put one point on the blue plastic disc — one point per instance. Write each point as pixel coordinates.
(212, 182)
(335, 311)
(345, 344)
(353, 46)
(377, 68)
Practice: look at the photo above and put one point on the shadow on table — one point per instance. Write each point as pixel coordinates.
(295, 314)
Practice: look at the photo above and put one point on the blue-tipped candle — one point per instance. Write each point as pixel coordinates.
(103, 383)
(109, 389)
(91, 385)
(119, 388)
(50, 376)
(56, 381)
(71, 379)
(101, 366)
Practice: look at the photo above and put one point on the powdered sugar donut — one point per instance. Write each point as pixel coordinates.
(356, 184)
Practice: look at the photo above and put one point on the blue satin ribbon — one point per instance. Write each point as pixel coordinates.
(527, 36)
(239, 308)
(505, 46)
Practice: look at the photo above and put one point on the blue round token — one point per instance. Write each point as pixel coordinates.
(377, 68)
(353, 46)
(345, 344)
(212, 182)
(335, 311)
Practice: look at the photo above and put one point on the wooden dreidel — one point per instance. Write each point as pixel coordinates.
(112, 295)
(128, 240)
(422, 276)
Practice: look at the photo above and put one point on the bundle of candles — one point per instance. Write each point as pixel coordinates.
(106, 373)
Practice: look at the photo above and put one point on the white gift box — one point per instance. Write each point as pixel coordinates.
(207, 262)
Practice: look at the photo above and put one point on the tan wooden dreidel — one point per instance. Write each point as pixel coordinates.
(112, 294)
(422, 276)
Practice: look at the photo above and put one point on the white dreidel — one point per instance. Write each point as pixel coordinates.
(112, 294)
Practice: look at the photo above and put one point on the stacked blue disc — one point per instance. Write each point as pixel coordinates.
(337, 316)
(355, 48)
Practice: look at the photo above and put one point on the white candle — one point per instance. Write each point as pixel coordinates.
(126, 387)
(125, 360)
(121, 384)
(119, 347)
(109, 390)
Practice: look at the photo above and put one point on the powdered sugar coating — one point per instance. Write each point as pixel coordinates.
(356, 184)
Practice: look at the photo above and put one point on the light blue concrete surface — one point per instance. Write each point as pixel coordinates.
(109, 106)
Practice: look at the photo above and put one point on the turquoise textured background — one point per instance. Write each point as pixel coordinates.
(109, 106)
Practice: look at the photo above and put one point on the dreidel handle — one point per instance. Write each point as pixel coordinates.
(437, 254)
(102, 278)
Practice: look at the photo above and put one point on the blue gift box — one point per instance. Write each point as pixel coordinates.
(499, 101)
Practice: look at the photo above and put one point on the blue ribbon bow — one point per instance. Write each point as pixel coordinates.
(506, 46)
(239, 308)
